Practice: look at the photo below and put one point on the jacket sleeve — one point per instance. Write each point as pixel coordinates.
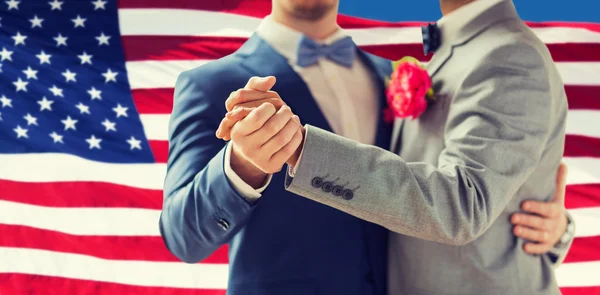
(497, 126)
(201, 210)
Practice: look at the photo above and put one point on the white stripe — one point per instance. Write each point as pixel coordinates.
(578, 274)
(181, 22)
(144, 222)
(578, 123)
(83, 221)
(587, 221)
(63, 167)
(163, 74)
(158, 74)
(139, 273)
(584, 122)
(182, 275)
(583, 170)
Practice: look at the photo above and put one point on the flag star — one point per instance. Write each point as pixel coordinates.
(44, 58)
(45, 104)
(83, 109)
(103, 39)
(13, 4)
(94, 142)
(56, 5)
(30, 73)
(0, 116)
(6, 102)
(60, 40)
(36, 22)
(134, 143)
(95, 93)
(110, 126)
(21, 132)
(0, 68)
(5, 54)
(70, 76)
(56, 137)
(79, 21)
(19, 39)
(56, 91)
(21, 85)
(31, 120)
(99, 4)
(110, 76)
(69, 123)
(120, 111)
(85, 58)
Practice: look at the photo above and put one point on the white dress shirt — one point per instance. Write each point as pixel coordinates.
(348, 97)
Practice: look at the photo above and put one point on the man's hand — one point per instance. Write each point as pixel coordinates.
(265, 137)
(545, 222)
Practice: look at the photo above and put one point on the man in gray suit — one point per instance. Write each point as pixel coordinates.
(494, 138)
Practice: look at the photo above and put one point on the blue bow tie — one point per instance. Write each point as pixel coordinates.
(431, 38)
(342, 52)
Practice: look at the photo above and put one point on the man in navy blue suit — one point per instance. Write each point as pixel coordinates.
(279, 243)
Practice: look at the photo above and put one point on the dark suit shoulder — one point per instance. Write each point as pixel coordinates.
(383, 65)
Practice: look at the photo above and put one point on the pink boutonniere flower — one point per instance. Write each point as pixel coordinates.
(408, 90)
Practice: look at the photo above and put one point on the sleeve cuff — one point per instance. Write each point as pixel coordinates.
(292, 170)
(244, 189)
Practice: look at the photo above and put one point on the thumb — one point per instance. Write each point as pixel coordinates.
(263, 84)
(561, 183)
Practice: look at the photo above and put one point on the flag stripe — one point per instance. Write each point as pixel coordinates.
(582, 196)
(580, 291)
(578, 123)
(141, 273)
(18, 283)
(163, 74)
(62, 167)
(139, 48)
(148, 248)
(80, 194)
(582, 146)
(578, 274)
(160, 100)
(586, 250)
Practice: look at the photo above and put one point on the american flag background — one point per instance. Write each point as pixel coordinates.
(86, 89)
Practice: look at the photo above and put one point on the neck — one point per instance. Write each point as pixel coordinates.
(316, 30)
(448, 6)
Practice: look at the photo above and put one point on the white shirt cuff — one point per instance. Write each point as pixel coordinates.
(244, 189)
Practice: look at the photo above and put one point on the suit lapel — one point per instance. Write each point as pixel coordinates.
(262, 60)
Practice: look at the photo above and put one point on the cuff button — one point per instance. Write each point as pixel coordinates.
(347, 195)
(338, 190)
(317, 182)
(327, 186)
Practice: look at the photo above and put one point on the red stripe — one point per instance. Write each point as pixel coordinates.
(143, 248)
(160, 149)
(583, 97)
(582, 146)
(80, 194)
(203, 47)
(153, 100)
(584, 249)
(261, 8)
(17, 284)
(582, 196)
(580, 291)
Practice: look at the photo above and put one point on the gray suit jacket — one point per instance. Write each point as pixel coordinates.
(494, 138)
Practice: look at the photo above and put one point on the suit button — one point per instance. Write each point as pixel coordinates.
(347, 195)
(338, 190)
(327, 186)
(317, 182)
(223, 224)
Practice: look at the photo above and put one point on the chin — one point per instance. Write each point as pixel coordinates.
(309, 9)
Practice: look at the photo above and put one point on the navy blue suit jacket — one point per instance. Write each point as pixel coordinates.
(283, 244)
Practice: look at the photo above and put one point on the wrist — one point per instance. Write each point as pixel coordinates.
(249, 173)
(293, 160)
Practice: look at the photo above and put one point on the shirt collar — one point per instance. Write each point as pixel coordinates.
(453, 26)
(285, 40)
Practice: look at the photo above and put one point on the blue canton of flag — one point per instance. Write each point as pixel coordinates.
(63, 83)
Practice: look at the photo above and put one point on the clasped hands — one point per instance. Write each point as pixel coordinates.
(264, 132)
